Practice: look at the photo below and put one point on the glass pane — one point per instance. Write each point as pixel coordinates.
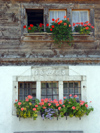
(21, 91)
(55, 97)
(49, 97)
(67, 96)
(51, 16)
(84, 16)
(70, 85)
(42, 97)
(49, 85)
(21, 98)
(25, 85)
(61, 14)
(29, 91)
(71, 90)
(75, 16)
(28, 85)
(55, 91)
(76, 85)
(55, 14)
(65, 90)
(76, 90)
(49, 91)
(65, 85)
(25, 92)
(54, 85)
(43, 91)
(20, 85)
(33, 85)
(33, 91)
(43, 85)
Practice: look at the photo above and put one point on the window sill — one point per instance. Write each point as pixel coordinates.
(46, 37)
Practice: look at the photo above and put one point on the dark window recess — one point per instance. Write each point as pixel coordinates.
(34, 16)
(73, 88)
(25, 89)
(49, 90)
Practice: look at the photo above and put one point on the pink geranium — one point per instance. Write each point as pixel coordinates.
(64, 97)
(16, 100)
(36, 106)
(59, 108)
(22, 109)
(63, 105)
(19, 103)
(29, 97)
(44, 107)
(70, 95)
(73, 107)
(27, 100)
(75, 95)
(86, 105)
(34, 109)
(57, 105)
(49, 104)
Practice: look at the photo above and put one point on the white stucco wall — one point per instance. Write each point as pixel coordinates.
(10, 123)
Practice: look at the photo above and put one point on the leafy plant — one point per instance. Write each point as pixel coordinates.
(50, 109)
(32, 28)
(61, 31)
(83, 28)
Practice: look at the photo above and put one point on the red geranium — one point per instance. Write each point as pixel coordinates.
(29, 28)
(31, 25)
(53, 19)
(52, 26)
(47, 24)
(51, 29)
(58, 23)
(24, 26)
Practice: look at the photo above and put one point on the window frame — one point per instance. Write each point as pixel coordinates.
(48, 73)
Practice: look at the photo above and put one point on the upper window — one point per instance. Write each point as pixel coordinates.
(34, 16)
(25, 89)
(80, 16)
(49, 90)
(56, 14)
(73, 88)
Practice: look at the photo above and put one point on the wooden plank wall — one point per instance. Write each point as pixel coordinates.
(14, 51)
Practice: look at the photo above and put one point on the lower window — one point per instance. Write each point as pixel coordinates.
(49, 90)
(73, 88)
(25, 89)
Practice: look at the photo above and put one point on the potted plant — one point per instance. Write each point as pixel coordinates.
(61, 31)
(83, 28)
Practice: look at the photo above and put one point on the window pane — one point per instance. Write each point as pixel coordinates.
(70, 85)
(27, 89)
(61, 14)
(55, 91)
(55, 97)
(49, 91)
(71, 90)
(43, 91)
(84, 16)
(75, 16)
(65, 90)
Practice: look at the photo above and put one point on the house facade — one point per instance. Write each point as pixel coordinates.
(30, 61)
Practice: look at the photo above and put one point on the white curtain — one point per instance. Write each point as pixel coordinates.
(56, 14)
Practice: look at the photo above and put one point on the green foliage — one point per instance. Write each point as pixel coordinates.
(50, 108)
(61, 32)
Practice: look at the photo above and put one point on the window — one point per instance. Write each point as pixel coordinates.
(34, 16)
(25, 89)
(49, 90)
(56, 14)
(80, 16)
(73, 88)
